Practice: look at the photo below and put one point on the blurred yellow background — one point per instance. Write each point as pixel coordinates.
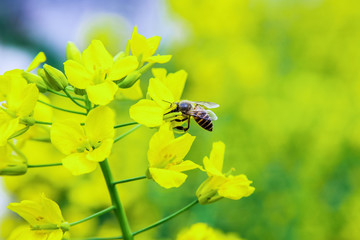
(287, 77)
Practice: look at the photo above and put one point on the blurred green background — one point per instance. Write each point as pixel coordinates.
(287, 77)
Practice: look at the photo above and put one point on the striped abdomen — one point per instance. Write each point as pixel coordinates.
(203, 119)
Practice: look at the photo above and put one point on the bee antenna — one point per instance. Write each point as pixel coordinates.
(168, 102)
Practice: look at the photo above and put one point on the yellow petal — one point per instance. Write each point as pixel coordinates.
(122, 67)
(159, 59)
(25, 232)
(184, 166)
(103, 93)
(43, 211)
(40, 58)
(8, 126)
(99, 124)
(159, 73)
(147, 112)
(67, 136)
(175, 82)
(167, 178)
(96, 56)
(78, 76)
(179, 147)
(214, 165)
(99, 154)
(78, 164)
(160, 93)
(152, 46)
(138, 43)
(28, 101)
(132, 93)
(160, 139)
(236, 187)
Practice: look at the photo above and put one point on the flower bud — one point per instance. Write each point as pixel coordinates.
(13, 168)
(72, 52)
(79, 91)
(130, 80)
(55, 78)
(33, 78)
(207, 192)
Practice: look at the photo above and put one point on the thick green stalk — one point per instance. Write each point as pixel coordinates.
(115, 199)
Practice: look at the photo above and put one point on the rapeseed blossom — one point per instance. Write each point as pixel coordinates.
(45, 219)
(220, 185)
(97, 70)
(19, 99)
(85, 146)
(166, 157)
(163, 90)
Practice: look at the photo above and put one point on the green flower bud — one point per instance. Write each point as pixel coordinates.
(130, 80)
(207, 192)
(28, 121)
(13, 168)
(72, 52)
(55, 78)
(79, 91)
(33, 78)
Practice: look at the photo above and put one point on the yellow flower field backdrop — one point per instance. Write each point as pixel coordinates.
(286, 75)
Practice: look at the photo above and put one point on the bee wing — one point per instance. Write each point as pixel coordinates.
(208, 104)
(212, 115)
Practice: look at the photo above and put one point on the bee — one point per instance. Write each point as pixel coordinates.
(202, 116)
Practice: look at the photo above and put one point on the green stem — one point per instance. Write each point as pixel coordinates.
(115, 200)
(44, 165)
(44, 123)
(18, 151)
(167, 218)
(128, 180)
(125, 124)
(72, 99)
(63, 95)
(61, 109)
(93, 216)
(146, 67)
(99, 238)
(127, 133)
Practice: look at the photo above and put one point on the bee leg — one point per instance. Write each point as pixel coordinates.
(185, 129)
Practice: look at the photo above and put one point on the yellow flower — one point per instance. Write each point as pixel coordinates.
(201, 231)
(144, 49)
(19, 100)
(97, 71)
(165, 156)
(220, 185)
(45, 219)
(87, 145)
(163, 90)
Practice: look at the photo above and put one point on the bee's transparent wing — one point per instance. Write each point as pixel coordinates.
(212, 115)
(207, 104)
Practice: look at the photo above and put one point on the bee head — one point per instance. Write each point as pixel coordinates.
(184, 106)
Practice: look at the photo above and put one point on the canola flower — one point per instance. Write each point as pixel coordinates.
(86, 137)
(45, 219)
(220, 185)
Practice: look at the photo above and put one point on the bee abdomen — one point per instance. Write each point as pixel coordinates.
(204, 121)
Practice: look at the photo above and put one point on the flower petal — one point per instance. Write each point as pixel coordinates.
(159, 59)
(78, 164)
(160, 93)
(147, 112)
(175, 82)
(8, 126)
(138, 43)
(99, 124)
(133, 93)
(184, 166)
(236, 187)
(160, 139)
(214, 164)
(167, 178)
(28, 100)
(102, 93)
(40, 58)
(97, 56)
(179, 147)
(67, 136)
(99, 154)
(77, 74)
(122, 67)
(159, 73)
